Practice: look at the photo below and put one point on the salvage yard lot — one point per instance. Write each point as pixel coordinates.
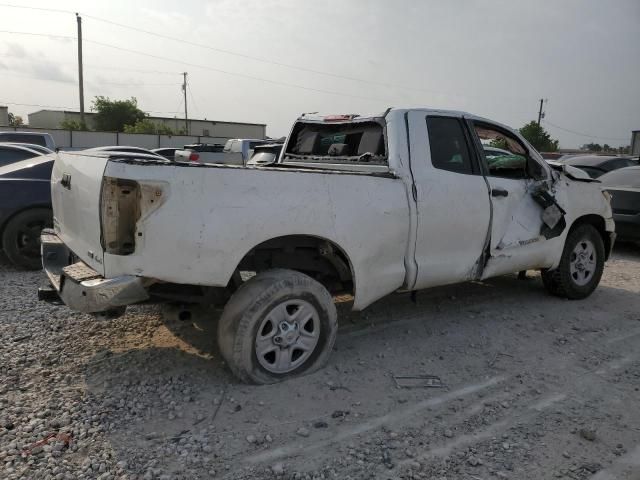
(533, 387)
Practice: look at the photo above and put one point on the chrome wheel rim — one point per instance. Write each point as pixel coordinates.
(287, 336)
(583, 261)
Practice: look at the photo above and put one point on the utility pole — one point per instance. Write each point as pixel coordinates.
(184, 90)
(540, 112)
(80, 75)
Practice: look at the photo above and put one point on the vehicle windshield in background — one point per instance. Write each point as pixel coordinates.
(342, 142)
(505, 156)
(21, 138)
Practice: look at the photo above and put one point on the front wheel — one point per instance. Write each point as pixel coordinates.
(279, 324)
(581, 265)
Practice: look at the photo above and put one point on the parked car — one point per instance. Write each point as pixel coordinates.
(624, 186)
(266, 154)
(243, 146)
(123, 149)
(205, 153)
(364, 206)
(597, 165)
(11, 153)
(33, 146)
(25, 208)
(237, 151)
(42, 139)
(166, 152)
(494, 151)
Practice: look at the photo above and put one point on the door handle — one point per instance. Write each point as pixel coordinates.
(499, 192)
(66, 181)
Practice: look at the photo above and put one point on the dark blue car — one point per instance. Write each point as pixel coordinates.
(25, 209)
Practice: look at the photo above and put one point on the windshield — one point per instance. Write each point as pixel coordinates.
(338, 142)
(23, 138)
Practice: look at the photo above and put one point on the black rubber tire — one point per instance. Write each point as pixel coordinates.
(248, 306)
(35, 218)
(559, 281)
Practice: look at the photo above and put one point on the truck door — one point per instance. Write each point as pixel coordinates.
(452, 197)
(519, 238)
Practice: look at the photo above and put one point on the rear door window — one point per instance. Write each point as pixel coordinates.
(448, 143)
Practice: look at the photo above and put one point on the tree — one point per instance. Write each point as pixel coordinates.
(15, 120)
(537, 136)
(592, 147)
(69, 124)
(147, 126)
(113, 115)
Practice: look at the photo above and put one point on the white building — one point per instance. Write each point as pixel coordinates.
(202, 128)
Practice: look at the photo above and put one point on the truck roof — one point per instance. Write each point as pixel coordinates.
(352, 117)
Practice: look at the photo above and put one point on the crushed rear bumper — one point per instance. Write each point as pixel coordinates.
(79, 286)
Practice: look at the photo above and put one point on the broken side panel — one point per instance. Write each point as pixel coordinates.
(521, 229)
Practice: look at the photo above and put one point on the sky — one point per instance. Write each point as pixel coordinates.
(268, 61)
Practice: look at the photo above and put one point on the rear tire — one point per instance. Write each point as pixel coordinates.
(21, 237)
(581, 265)
(277, 325)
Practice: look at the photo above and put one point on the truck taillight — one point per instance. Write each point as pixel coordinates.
(194, 157)
(119, 213)
(340, 118)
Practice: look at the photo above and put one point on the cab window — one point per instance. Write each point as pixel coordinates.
(505, 155)
(448, 144)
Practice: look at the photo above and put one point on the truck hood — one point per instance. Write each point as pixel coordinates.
(572, 172)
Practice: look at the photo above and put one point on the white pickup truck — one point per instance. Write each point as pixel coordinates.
(366, 206)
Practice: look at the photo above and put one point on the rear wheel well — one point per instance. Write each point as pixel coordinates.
(598, 223)
(317, 257)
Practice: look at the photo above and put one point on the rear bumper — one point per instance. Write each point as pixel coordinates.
(79, 286)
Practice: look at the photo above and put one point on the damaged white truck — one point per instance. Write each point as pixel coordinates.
(367, 206)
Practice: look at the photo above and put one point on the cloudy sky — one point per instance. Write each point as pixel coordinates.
(267, 61)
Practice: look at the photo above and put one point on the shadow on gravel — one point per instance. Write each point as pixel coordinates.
(627, 251)
(175, 395)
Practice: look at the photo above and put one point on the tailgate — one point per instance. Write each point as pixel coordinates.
(76, 182)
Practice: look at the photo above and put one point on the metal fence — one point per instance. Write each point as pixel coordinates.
(70, 139)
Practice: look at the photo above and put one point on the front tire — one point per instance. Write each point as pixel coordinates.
(279, 324)
(581, 265)
(21, 237)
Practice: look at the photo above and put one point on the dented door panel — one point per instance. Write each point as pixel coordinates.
(516, 239)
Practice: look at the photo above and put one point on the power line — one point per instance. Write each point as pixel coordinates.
(35, 105)
(105, 67)
(58, 107)
(586, 135)
(102, 82)
(205, 67)
(23, 7)
(193, 100)
(259, 59)
(233, 53)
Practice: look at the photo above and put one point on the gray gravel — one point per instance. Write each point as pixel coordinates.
(534, 387)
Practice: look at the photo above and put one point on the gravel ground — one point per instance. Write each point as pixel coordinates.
(532, 387)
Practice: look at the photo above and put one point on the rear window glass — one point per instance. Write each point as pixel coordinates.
(9, 156)
(361, 142)
(21, 138)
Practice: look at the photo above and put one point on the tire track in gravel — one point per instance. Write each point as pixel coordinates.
(396, 416)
